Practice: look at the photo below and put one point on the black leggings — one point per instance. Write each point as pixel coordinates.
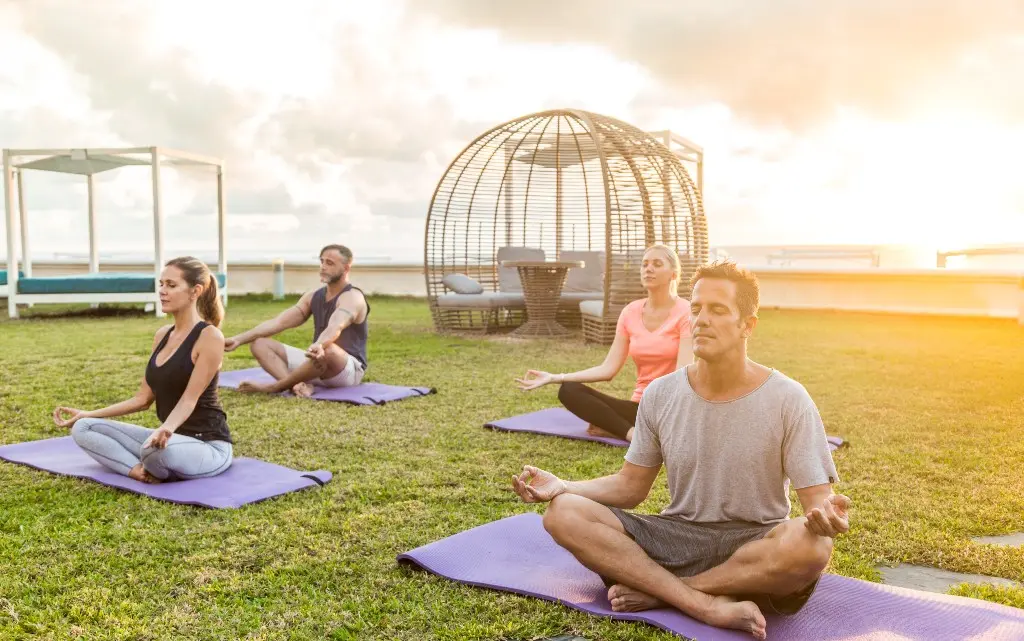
(606, 412)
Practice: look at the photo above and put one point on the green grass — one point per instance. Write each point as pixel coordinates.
(933, 409)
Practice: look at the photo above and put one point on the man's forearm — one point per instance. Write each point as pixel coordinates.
(328, 336)
(612, 491)
(266, 328)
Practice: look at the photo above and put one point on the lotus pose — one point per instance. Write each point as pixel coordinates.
(337, 356)
(733, 436)
(193, 440)
(655, 331)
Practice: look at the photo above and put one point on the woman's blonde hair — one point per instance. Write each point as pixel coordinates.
(673, 258)
(196, 272)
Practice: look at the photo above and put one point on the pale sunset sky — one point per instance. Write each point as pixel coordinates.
(879, 121)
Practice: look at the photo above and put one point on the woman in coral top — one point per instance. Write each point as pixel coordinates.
(655, 331)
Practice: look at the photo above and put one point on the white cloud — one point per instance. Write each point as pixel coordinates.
(337, 119)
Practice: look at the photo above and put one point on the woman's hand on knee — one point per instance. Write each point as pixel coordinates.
(68, 416)
(158, 439)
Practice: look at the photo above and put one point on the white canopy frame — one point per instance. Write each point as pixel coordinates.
(88, 162)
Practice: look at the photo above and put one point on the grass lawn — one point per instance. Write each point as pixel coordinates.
(933, 409)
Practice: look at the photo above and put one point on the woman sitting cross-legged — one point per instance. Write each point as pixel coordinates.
(193, 440)
(655, 331)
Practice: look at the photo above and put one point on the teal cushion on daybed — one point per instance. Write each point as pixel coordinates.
(3, 276)
(102, 283)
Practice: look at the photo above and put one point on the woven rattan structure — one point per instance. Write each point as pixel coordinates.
(564, 185)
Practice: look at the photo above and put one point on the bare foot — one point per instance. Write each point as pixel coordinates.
(625, 599)
(594, 430)
(249, 387)
(304, 390)
(139, 473)
(724, 612)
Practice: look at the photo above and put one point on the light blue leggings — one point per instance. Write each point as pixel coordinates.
(118, 446)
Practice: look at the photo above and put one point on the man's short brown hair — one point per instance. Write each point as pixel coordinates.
(345, 252)
(748, 292)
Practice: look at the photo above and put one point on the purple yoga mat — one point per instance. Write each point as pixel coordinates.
(558, 421)
(554, 421)
(516, 555)
(362, 394)
(246, 481)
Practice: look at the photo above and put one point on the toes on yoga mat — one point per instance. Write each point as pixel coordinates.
(246, 481)
(516, 555)
(362, 394)
(558, 421)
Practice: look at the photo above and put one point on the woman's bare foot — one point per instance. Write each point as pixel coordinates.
(139, 473)
(625, 599)
(304, 390)
(594, 430)
(249, 387)
(724, 612)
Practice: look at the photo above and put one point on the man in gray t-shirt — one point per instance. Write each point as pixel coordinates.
(733, 436)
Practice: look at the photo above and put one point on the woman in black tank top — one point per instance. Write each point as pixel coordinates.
(193, 440)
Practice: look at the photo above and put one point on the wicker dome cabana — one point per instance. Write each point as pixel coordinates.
(557, 185)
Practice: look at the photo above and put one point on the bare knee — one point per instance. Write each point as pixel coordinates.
(802, 555)
(262, 346)
(566, 513)
(333, 363)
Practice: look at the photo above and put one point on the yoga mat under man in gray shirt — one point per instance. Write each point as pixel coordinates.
(732, 461)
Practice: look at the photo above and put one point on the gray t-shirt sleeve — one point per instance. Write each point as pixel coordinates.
(806, 457)
(645, 448)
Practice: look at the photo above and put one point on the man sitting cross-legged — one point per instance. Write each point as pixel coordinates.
(337, 357)
(732, 435)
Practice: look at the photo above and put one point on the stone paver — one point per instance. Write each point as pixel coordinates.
(1012, 540)
(919, 577)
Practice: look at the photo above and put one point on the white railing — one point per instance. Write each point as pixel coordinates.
(994, 294)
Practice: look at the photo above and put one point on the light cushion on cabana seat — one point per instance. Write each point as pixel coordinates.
(101, 283)
(462, 284)
(590, 277)
(508, 277)
(568, 298)
(486, 300)
(594, 308)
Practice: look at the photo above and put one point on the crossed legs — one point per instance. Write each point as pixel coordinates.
(786, 561)
(273, 358)
(118, 447)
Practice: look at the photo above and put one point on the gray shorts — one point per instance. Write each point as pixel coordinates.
(685, 548)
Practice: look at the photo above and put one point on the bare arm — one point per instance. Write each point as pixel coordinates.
(606, 371)
(210, 355)
(142, 399)
(626, 489)
(294, 316)
(827, 513)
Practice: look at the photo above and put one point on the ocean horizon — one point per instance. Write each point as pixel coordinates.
(804, 256)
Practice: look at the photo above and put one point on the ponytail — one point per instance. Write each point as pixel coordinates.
(196, 273)
(210, 308)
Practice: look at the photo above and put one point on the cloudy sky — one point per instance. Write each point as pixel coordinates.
(823, 121)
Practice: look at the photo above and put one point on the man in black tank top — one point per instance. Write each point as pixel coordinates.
(337, 355)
